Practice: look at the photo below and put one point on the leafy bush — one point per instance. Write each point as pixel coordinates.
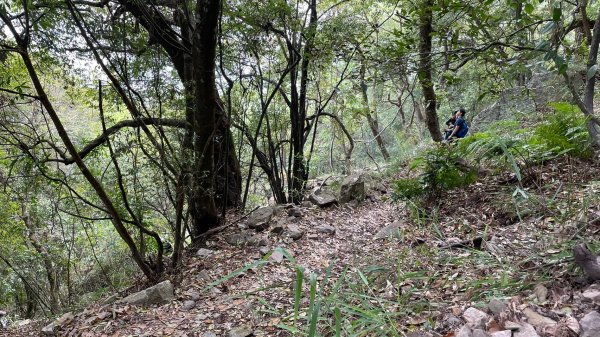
(443, 168)
(563, 132)
(408, 188)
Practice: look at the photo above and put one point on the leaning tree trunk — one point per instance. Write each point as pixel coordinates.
(425, 69)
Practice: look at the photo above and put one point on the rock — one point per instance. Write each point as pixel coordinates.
(587, 261)
(194, 295)
(505, 333)
(306, 204)
(2, 313)
(209, 334)
(541, 293)
(262, 214)
(65, 318)
(526, 330)
(276, 256)
(241, 331)
(479, 333)
(294, 232)
(465, 331)
(508, 325)
(475, 318)
(158, 294)
(264, 250)
(590, 324)
(295, 212)
(322, 198)
(204, 275)
(353, 188)
(277, 228)
(390, 231)
(591, 294)
(189, 305)
(50, 329)
(259, 226)
(496, 306)
(24, 322)
(325, 229)
(237, 239)
(538, 320)
(203, 252)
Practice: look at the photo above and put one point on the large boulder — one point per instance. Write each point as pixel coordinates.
(353, 188)
(158, 294)
(322, 198)
(261, 215)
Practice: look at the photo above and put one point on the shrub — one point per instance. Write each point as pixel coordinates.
(407, 188)
(563, 131)
(443, 168)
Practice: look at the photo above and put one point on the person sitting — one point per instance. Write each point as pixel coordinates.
(450, 125)
(461, 128)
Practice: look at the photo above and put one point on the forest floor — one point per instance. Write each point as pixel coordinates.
(495, 239)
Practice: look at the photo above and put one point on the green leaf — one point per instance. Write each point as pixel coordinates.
(529, 8)
(556, 13)
(592, 71)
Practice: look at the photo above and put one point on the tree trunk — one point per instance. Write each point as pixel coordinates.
(203, 209)
(425, 69)
(371, 116)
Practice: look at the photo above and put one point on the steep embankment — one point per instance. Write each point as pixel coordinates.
(495, 240)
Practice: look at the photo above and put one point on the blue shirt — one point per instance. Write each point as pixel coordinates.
(463, 128)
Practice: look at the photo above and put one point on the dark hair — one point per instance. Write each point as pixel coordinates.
(462, 111)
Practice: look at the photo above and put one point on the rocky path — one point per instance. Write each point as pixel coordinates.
(485, 271)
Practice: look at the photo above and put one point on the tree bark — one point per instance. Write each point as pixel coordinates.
(425, 69)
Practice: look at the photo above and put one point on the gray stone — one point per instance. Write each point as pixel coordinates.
(24, 322)
(203, 252)
(541, 292)
(259, 226)
(475, 318)
(189, 305)
(508, 325)
(591, 294)
(277, 228)
(322, 198)
(262, 214)
(204, 275)
(276, 256)
(479, 333)
(194, 295)
(50, 329)
(295, 212)
(209, 334)
(353, 188)
(264, 250)
(306, 204)
(590, 324)
(157, 294)
(496, 306)
(465, 331)
(526, 330)
(390, 231)
(238, 239)
(241, 331)
(504, 333)
(538, 320)
(325, 229)
(294, 232)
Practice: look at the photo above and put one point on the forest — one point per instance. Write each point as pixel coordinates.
(285, 168)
